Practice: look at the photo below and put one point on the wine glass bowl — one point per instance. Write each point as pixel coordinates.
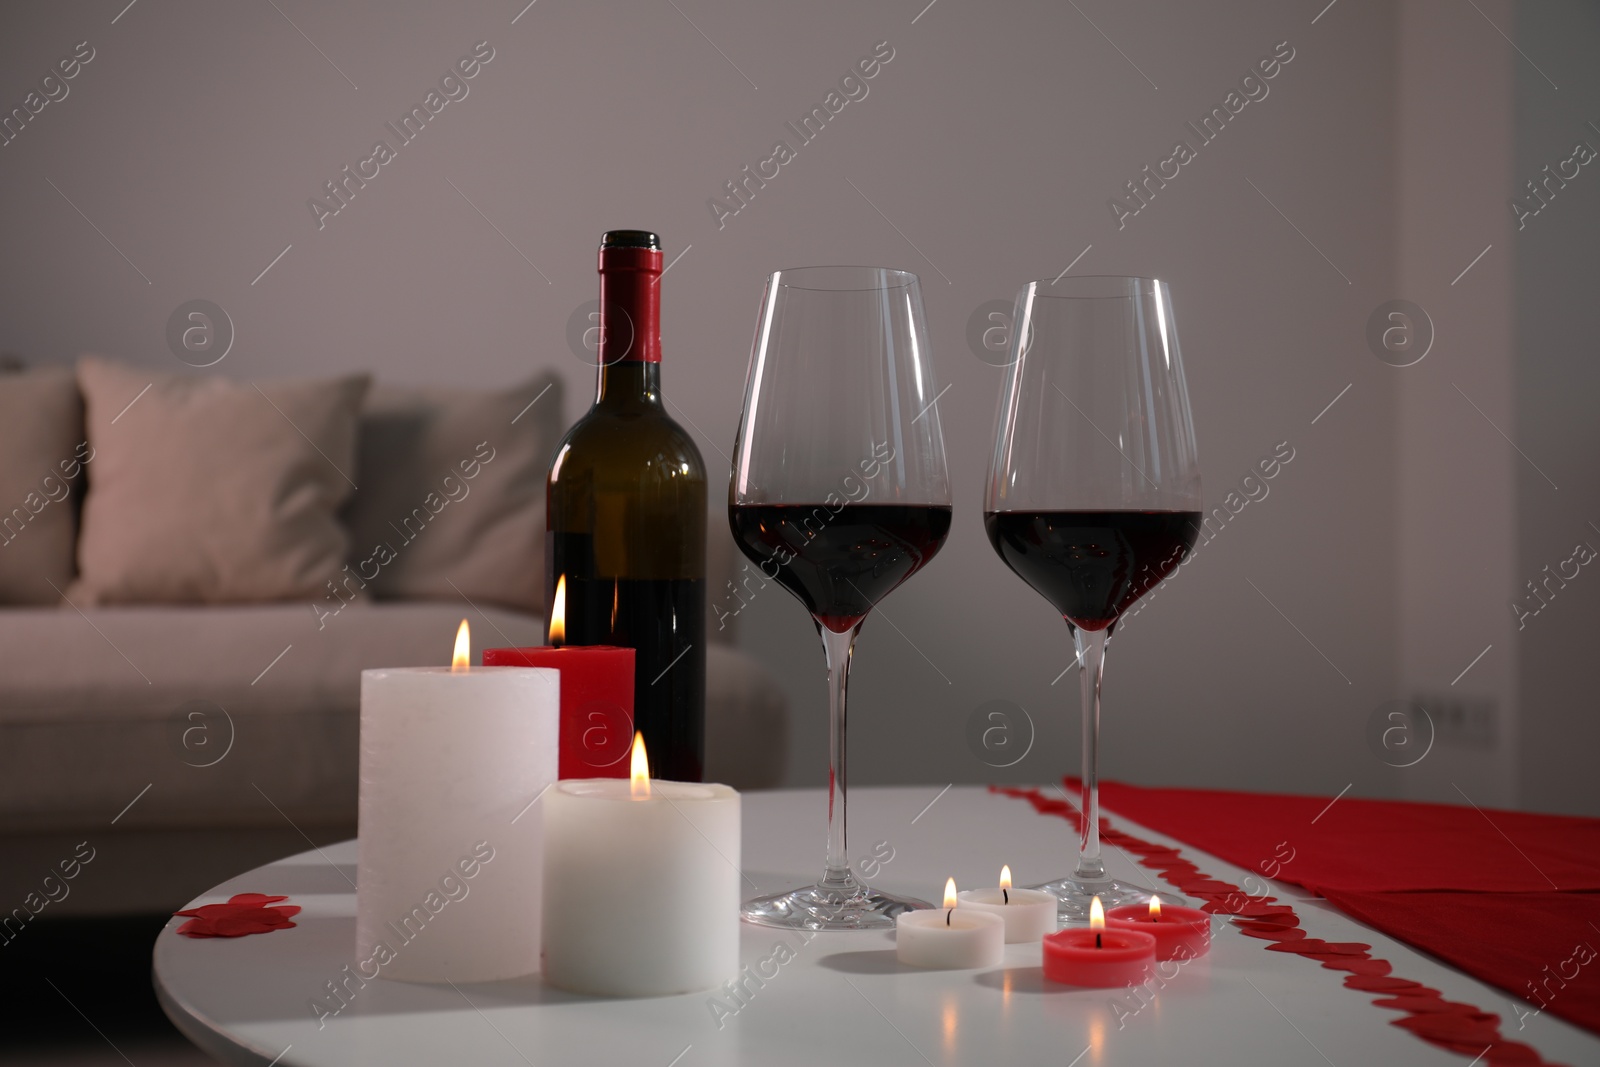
(1094, 488)
(839, 492)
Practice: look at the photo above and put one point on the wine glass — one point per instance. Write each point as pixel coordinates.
(1094, 488)
(839, 492)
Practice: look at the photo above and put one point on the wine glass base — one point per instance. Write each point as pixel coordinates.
(817, 907)
(1074, 895)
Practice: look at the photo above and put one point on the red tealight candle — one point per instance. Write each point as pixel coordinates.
(1181, 933)
(596, 696)
(1098, 958)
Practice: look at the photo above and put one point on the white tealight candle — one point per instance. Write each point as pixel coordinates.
(447, 883)
(1028, 914)
(641, 885)
(951, 937)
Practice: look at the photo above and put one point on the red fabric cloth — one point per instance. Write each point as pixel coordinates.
(1539, 946)
(1360, 844)
(1510, 897)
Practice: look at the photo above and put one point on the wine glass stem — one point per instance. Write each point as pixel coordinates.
(839, 648)
(1091, 649)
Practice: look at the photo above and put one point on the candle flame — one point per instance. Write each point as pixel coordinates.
(639, 771)
(1097, 916)
(1155, 909)
(462, 657)
(1005, 877)
(950, 899)
(558, 613)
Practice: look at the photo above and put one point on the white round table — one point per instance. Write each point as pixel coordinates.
(839, 998)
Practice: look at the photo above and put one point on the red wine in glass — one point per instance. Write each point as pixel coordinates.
(840, 560)
(1092, 565)
(1094, 491)
(839, 407)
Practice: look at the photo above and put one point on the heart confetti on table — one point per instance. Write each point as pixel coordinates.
(244, 913)
(1443, 878)
(1459, 1027)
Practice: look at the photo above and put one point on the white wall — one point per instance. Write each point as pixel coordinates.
(992, 141)
(1458, 478)
(1557, 387)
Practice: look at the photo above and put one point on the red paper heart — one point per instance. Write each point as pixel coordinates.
(244, 913)
(1197, 886)
(1477, 1030)
(1423, 1004)
(237, 902)
(1359, 965)
(1315, 946)
(1265, 908)
(1292, 923)
(1347, 948)
(1230, 902)
(1303, 946)
(1512, 1054)
(1378, 983)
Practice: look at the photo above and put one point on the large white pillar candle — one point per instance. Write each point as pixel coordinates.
(447, 883)
(641, 885)
(951, 937)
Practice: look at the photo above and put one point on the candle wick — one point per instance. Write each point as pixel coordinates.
(1097, 941)
(1005, 896)
(947, 915)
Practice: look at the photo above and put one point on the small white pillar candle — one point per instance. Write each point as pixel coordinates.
(951, 937)
(641, 885)
(447, 883)
(1028, 914)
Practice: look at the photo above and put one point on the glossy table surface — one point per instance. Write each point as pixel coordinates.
(839, 998)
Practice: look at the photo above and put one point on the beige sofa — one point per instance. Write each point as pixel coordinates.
(179, 744)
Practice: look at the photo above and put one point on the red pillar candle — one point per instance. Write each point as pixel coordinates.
(1181, 933)
(596, 700)
(1097, 957)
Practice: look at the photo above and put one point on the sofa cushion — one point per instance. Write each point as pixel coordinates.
(204, 704)
(42, 443)
(205, 490)
(452, 492)
(246, 716)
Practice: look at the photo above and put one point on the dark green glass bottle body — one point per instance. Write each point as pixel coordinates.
(626, 528)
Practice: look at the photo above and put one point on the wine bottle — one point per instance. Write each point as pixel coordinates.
(626, 518)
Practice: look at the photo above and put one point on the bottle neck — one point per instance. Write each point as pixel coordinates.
(629, 383)
(630, 318)
(630, 305)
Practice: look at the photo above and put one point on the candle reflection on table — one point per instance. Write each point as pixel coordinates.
(951, 1020)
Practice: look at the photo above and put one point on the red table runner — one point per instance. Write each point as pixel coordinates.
(1539, 946)
(1512, 898)
(1358, 844)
